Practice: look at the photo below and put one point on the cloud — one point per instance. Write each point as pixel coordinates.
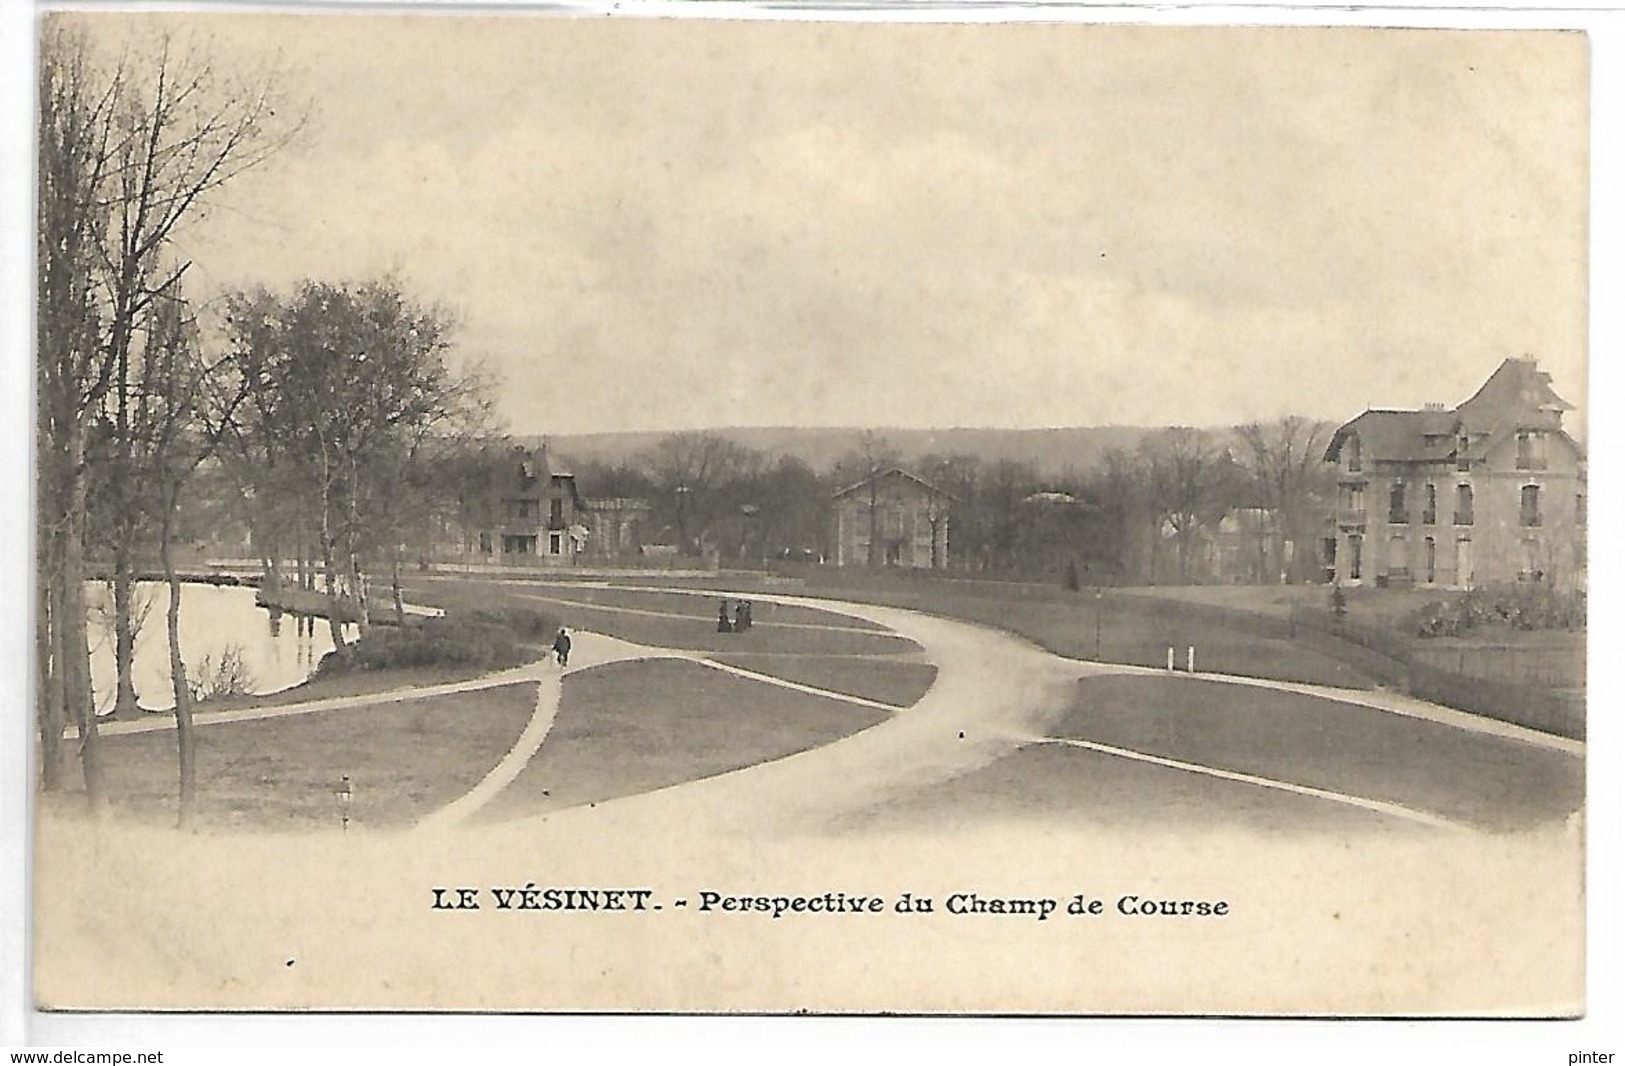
(680, 225)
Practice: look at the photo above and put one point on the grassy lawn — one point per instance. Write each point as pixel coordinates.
(403, 761)
(689, 606)
(358, 684)
(1066, 625)
(1309, 741)
(898, 683)
(692, 624)
(699, 634)
(632, 727)
(1064, 787)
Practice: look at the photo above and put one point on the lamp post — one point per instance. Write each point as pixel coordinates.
(748, 527)
(1100, 597)
(344, 795)
(682, 523)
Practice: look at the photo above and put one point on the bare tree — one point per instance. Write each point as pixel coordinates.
(349, 384)
(1283, 460)
(129, 147)
(1191, 483)
(75, 157)
(179, 132)
(692, 473)
(1122, 487)
(186, 406)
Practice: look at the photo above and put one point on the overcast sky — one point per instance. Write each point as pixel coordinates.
(660, 224)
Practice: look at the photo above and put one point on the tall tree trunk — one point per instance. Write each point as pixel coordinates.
(330, 586)
(358, 586)
(185, 742)
(329, 574)
(125, 705)
(50, 702)
(75, 652)
(50, 717)
(358, 589)
(395, 589)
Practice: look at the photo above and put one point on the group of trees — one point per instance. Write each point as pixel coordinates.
(325, 410)
(1141, 515)
(130, 145)
(352, 427)
(1167, 497)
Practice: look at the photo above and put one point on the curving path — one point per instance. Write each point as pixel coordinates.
(994, 694)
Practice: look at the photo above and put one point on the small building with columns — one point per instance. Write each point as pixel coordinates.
(891, 518)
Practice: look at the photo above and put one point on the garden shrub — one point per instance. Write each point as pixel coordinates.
(526, 623)
(462, 642)
(1525, 607)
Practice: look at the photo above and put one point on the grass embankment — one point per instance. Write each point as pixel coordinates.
(629, 728)
(1064, 788)
(702, 608)
(676, 621)
(1067, 623)
(470, 641)
(1329, 744)
(1467, 777)
(403, 760)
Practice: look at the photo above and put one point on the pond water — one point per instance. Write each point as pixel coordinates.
(277, 653)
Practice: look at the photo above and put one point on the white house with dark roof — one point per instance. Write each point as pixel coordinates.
(1491, 491)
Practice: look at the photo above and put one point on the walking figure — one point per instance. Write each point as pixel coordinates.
(723, 624)
(742, 616)
(561, 647)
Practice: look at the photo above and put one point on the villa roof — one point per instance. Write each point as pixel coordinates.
(1518, 395)
(882, 475)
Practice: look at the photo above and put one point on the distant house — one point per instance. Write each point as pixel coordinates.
(1493, 490)
(617, 527)
(891, 519)
(1249, 547)
(535, 516)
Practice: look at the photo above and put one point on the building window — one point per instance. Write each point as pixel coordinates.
(1531, 450)
(1353, 448)
(1464, 505)
(1399, 563)
(485, 543)
(1397, 512)
(1430, 559)
(1532, 570)
(522, 508)
(1529, 511)
(1461, 453)
(1355, 543)
(1354, 501)
(1430, 504)
(1464, 561)
(555, 544)
(556, 511)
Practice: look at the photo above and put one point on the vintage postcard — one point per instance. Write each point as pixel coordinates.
(562, 514)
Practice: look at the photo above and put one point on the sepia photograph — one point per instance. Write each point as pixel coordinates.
(551, 514)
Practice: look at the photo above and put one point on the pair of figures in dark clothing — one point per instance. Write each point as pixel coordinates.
(561, 647)
(738, 623)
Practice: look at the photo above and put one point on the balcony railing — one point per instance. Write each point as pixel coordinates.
(1351, 516)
